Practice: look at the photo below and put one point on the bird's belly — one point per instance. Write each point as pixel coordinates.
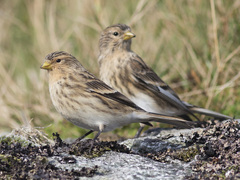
(149, 104)
(95, 121)
(88, 113)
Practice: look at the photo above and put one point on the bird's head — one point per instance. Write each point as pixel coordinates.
(60, 60)
(116, 37)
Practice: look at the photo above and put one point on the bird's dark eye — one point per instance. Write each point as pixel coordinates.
(58, 60)
(115, 33)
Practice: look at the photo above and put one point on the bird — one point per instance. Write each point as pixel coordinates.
(122, 69)
(89, 103)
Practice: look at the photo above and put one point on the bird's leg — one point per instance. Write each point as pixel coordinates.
(101, 128)
(89, 132)
(94, 140)
(142, 125)
(139, 131)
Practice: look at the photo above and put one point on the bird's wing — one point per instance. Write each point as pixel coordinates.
(150, 80)
(103, 90)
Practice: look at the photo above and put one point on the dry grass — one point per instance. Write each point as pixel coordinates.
(192, 45)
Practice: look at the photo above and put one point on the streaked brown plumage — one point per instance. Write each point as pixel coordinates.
(125, 71)
(88, 102)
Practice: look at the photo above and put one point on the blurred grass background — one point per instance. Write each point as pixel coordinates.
(193, 45)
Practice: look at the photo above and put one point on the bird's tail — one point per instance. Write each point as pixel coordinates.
(210, 113)
(178, 122)
(207, 112)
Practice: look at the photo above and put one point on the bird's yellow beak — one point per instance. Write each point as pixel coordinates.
(128, 35)
(46, 65)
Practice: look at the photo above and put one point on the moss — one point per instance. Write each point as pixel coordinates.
(91, 153)
(188, 154)
(9, 160)
(89, 149)
(21, 161)
(14, 139)
(183, 154)
(235, 168)
(25, 136)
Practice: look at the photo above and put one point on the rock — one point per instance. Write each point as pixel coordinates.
(114, 165)
(158, 140)
(197, 153)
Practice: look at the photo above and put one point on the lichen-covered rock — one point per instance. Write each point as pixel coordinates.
(116, 165)
(219, 155)
(201, 153)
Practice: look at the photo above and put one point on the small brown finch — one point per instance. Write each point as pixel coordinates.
(125, 71)
(88, 102)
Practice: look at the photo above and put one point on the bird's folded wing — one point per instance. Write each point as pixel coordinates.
(103, 90)
(148, 78)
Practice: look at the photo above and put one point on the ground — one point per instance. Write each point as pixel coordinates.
(213, 153)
